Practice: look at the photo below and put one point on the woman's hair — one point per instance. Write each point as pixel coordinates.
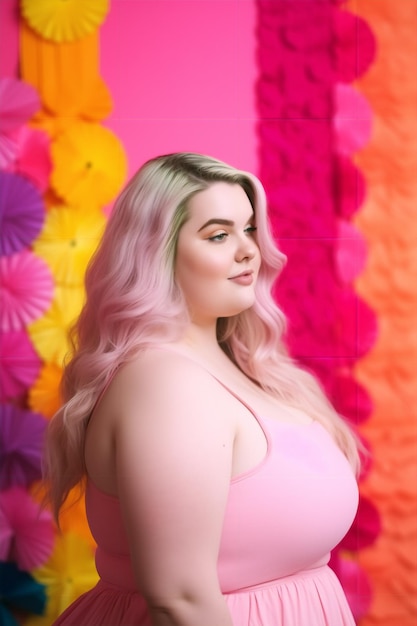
(133, 303)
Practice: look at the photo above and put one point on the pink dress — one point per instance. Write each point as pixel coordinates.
(282, 519)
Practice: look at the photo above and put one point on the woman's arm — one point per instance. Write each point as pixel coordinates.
(173, 463)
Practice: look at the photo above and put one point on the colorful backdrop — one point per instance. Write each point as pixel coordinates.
(317, 97)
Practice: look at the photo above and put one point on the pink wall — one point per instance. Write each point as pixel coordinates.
(182, 74)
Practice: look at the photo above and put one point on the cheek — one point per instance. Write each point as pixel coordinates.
(201, 265)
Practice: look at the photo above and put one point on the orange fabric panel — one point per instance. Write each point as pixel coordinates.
(66, 75)
(388, 220)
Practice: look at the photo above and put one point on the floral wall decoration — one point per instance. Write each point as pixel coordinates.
(59, 170)
(312, 121)
(336, 128)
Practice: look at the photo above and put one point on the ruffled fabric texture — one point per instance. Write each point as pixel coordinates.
(388, 222)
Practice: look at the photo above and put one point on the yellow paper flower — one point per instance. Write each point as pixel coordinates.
(67, 241)
(49, 334)
(68, 573)
(44, 396)
(67, 20)
(89, 164)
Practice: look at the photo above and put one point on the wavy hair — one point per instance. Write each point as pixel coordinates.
(132, 303)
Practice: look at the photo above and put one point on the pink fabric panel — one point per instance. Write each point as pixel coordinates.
(9, 37)
(182, 75)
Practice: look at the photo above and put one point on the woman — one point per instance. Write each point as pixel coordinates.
(217, 475)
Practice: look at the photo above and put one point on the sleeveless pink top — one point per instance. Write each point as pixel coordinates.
(282, 519)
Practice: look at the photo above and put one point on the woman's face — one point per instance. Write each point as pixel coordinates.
(218, 259)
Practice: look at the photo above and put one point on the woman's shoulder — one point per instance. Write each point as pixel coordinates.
(161, 374)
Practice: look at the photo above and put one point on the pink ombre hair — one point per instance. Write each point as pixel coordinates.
(133, 303)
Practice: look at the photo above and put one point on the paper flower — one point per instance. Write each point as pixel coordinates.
(19, 364)
(32, 156)
(351, 252)
(358, 326)
(352, 121)
(21, 441)
(68, 240)
(21, 213)
(64, 21)
(89, 165)
(49, 334)
(351, 399)
(44, 395)
(355, 45)
(19, 591)
(26, 288)
(18, 102)
(8, 150)
(69, 572)
(355, 583)
(349, 185)
(365, 528)
(26, 532)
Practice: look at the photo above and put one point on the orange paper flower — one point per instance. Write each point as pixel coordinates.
(44, 396)
(89, 165)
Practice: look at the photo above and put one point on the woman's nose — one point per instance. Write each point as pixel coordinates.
(247, 249)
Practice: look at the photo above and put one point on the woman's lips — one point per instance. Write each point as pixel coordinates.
(244, 278)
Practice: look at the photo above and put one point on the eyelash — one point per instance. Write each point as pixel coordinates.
(222, 236)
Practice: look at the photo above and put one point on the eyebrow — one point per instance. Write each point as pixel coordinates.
(219, 220)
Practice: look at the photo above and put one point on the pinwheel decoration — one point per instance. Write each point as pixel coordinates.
(21, 213)
(26, 531)
(18, 102)
(68, 240)
(26, 289)
(64, 21)
(49, 333)
(19, 364)
(21, 442)
(89, 165)
(69, 572)
(44, 396)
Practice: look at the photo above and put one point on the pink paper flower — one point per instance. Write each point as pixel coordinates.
(355, 582)
(26, 288)
(353, 120)
(365, 528)
(19, 364)
(32, 156)
(26, 532)
(18, 102)
(355, 46)
(350, 252)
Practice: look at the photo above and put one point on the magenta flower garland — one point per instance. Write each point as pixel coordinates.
(311, 121)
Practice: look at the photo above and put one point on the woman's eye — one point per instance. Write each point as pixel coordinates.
(219, 237)
(250, 229)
